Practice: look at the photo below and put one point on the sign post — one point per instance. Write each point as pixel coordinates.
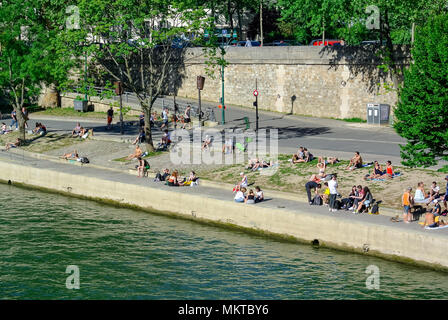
(256, 106)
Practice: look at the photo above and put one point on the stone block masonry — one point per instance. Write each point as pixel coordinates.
(304, 80)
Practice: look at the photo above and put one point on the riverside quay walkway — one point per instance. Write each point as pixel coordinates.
(278, 217)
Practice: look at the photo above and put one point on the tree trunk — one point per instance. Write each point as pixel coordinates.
(148, 132)
(389, 55)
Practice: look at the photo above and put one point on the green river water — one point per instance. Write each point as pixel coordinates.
(127, 254)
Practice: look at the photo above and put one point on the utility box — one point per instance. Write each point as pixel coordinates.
(378, 113)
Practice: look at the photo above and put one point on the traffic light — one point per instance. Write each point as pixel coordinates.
(255, 103)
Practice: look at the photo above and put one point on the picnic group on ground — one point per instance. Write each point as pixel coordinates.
(321, 189)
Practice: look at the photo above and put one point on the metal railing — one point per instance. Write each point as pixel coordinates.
(161, 103)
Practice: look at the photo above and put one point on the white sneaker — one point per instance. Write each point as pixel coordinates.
(334, 210)
(351, 208)
(330, 209)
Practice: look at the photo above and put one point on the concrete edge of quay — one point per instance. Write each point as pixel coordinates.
(390, 212)
(386, 241)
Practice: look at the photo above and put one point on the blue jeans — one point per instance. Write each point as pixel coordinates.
(14, 122)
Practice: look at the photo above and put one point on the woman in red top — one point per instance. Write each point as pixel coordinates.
(389, 170)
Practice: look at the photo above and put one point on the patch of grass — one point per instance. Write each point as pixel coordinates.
(70, 112)
(355, 120)
(444, 169)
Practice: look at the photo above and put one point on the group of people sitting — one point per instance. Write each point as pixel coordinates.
(302, 155)
(432, 217)
(82, 132)
(251, 197)
(174, 180)
(379, 173)
(256, 164)
(40, 129)
(359, 200)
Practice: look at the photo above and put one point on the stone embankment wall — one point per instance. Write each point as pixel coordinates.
(332, 82)
(314, 81)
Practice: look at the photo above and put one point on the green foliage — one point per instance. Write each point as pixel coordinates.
(421, 114)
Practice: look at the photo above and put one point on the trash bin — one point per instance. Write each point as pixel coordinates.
(80, 105)
(378, 113)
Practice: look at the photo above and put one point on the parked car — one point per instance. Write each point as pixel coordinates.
(328, 42)
(282, 43)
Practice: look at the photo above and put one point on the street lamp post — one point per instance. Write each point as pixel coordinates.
(200, 84)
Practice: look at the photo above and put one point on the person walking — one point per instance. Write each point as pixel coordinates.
(14, 120)
(187, 118)
(110, 116)
(333, 185)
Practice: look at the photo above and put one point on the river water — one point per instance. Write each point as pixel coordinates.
(127, 254)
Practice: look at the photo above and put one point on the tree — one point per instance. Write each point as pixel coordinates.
(389, 21)
(421, 113)
(140, 43)
(29, 54)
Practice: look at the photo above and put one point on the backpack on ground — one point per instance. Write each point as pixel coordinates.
(374, 209)
(84, 160)
(317, 201)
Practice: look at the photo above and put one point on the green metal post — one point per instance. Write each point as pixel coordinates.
(223, 104)
(85, 75)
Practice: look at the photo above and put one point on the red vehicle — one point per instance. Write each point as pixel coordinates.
(328, 42)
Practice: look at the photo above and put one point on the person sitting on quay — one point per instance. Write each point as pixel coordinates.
(377, 172)
(355, 162)
(192, 180)
(250, 198)
(329, 160)
(433, 221)
(420, 196)
(40, 129)
(434, 193)
(16, 144)
(445, 198)
(348, 202)
(297, 156)
(72, 155)
(4, 129)
(239, 196)
(206, 143)
(437, 210)
(259, 195)
(321, 166)
(142, 167)
(76, 130)
(389, 170)
(307, 157)
(366, 201)
(357, 198)
(137, 153)
(243, 182)
(141, 137)
(173, 179)
(162, 177)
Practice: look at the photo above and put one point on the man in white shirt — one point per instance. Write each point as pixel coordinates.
(333, 185)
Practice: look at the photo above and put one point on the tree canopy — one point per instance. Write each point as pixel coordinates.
(422, 111)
